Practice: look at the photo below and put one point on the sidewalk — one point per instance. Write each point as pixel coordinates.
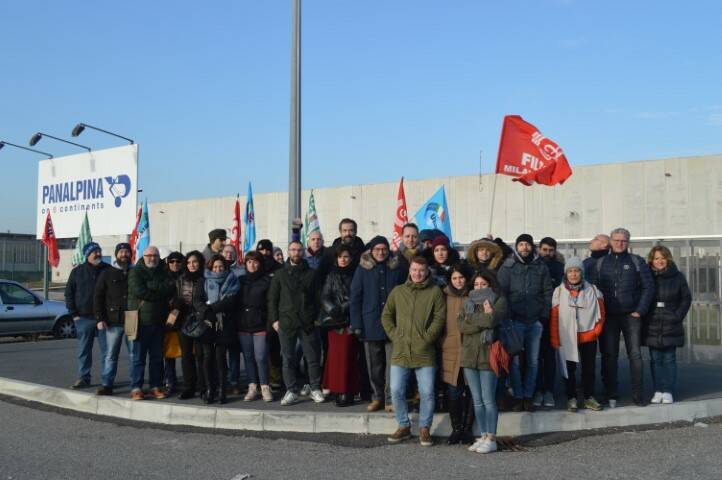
(46, 369)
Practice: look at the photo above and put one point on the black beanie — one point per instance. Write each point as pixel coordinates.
(524, 237)
(377, 240)
(122, 246)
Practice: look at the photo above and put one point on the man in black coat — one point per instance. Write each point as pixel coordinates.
(110, 303)
(79, 296)
(626, 281)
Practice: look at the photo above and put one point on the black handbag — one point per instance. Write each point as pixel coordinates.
(510, 338)
(195, 326)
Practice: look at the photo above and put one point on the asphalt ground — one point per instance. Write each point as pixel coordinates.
(40, 443)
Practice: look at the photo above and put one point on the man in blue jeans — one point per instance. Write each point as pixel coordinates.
(79, 294)
(110, 304)
(525, 280)
(413, 318)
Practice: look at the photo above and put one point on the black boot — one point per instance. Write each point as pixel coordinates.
(222, 393)
(467, 436)
(210, 396)
(456, 418)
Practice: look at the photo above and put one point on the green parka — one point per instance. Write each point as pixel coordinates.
(413, 318)
(150, 292)
(292, 298)
(474, 354)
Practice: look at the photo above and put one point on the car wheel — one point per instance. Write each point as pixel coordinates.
(65, 328)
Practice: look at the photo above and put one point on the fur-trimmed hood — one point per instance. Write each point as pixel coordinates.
(496, 253)
(367, 261)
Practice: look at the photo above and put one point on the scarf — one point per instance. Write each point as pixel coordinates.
(578, 312)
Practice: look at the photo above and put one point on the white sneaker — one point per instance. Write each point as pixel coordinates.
(289, 398)
(488, 446)
(612, 403)
(477, 444)
(317, 396)
(306, 390)
(667, 398)
(549, 400)
(538, 399)
(657, 398)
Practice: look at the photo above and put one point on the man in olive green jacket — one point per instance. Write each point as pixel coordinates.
(150, 289)
(413, 318)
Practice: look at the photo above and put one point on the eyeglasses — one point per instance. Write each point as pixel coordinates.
(154, 255)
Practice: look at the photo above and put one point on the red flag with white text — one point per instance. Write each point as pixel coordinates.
(236, 232)
(51, 242)
(529, 156)
(134, 236)
(401, 217)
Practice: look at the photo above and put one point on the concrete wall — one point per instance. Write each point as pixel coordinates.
(678, 196)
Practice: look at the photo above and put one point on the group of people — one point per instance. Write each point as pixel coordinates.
(418, 325)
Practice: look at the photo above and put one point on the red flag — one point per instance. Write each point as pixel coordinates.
(134, 235)
(401, 218)
(51, 242)
(236, 232)
(529, 156)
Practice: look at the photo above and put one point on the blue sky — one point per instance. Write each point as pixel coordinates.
(390, 88)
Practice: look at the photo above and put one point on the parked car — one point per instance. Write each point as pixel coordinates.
(24, 313)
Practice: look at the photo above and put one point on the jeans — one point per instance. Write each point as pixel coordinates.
(234, 364)
(378, 363)
(114, 336)
(311, 345)
(148, 343)
(255, 357)
(215, 368)
(87, 331)
(547, 363)
(631, 328)
(425, 380)
(482, 384)
(530, 333)
(664, 368)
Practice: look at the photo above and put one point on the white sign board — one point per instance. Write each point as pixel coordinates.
(103, 183)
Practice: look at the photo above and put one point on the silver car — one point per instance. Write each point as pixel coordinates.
(23, 313)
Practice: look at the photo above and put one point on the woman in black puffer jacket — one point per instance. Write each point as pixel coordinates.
(664, 324)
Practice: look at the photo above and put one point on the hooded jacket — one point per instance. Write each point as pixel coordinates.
(451, 339)
(476, 354)
(150, 292)
(413, 318)
(664, 324)
(291, 298)
(111, 295)
(372, 282)
(80, 289)
(253, 317)
(528, 289)
(626, 283)
(496, 256)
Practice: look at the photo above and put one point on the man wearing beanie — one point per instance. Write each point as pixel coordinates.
(216, 240)
(110, 304)
(79, 295)
(378, 273)
(526, 282)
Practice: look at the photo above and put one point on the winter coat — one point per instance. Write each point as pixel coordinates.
(357, 248)
(626, 283)
(222, 290)
(197, 303)
(80, 289)
(335, 297)
(440, 272)
(476, 354)
(413, 318)
(493, 264)
(291, 298)
(111, 296)
(150, 292)
(253, 317)
(556, 269)
(590, 264)
(664, 324)
(370, 288)
(451, 339)
(528, 289)
(315, 259)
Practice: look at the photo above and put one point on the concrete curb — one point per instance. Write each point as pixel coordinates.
(510, 424)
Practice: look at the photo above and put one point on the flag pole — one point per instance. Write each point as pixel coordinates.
(493, 198)
(46, 286)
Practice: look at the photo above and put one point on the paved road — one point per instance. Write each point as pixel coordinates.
(40, 444)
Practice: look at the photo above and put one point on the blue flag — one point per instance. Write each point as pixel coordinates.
(249, 222)
(143, 231)
(435, 214)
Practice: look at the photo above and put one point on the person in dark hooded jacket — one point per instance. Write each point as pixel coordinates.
(663, 328)
(484, 255)
(441, 258)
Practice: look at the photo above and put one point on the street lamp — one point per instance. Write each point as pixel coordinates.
(36, 138)
(79, 128)
(3, 143)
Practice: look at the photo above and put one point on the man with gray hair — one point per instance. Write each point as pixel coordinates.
(315, 250)
(150, 289)
(628, 287)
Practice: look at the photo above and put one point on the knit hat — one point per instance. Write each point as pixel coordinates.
(89, 248)
(429, 235)
(574, 262)
(440, 240)
(175, 256)
(123, 246)
(377, 240)
(217, 233)
(525, 237)
(265, 244)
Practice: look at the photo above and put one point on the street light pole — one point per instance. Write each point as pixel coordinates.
(294, 154)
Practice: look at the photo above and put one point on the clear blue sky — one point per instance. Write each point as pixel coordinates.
(390, 87)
